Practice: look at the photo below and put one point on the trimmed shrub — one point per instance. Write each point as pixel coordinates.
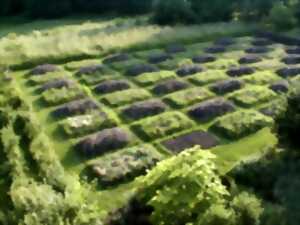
(188, 97)
(161, 125)
(242, 123)
(125, 164)
(120, 98)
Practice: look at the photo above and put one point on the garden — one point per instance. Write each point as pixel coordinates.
(162, 113)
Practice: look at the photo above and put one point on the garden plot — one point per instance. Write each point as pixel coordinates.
(114, 118)
(252, 95)
(126, 164)
(188, 97)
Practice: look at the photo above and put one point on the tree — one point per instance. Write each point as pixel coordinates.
(187, 189)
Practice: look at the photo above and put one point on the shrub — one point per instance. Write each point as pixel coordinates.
(173, 11)
(212, 10)
(183, 185)
(242, 123)
(84, 124)
(136, 6)
(122, 6)
(163, 124)
(48, 9)
(289, 124)
(281, 16)
(187, 189)
(188, 11)
(54, 97)
(254, 9)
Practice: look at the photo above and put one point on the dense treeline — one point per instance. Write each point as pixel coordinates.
(53, 9)
(164, 11)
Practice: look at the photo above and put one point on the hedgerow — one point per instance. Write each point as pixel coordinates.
(49, 195)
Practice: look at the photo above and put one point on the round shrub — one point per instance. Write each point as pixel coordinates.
(289, 124)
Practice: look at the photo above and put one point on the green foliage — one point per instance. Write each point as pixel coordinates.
(187, 189)
(244, 209)
(252, 95)
(85, 124)
(189, 11)
(54, 9)
(282, 16)
(162, 125)
(188, 97)
(120, 98)
(76, 65)
(125, 164)
(121, 6)
(209, 76)
(254, 9)
(39, 80)
(48, 195)
(242, 123)
(248, 209)
(44, 154)
(217, 214)
(173, 11)
(54, 97)
(48, 9)
(276, 178)
(222, 64)
(212, 10)
(124, 65)
(276, 108)
(289, 123)
(261, 78)
(151, 78)
(182, 186)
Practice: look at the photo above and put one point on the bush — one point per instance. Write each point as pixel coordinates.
(254, 9)
(289, 124)
(187, 189)
(173, 11)
(182, 186)
(190, 11)
(282, 17)
(212, 10)
(48, 9)
(122, 6)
